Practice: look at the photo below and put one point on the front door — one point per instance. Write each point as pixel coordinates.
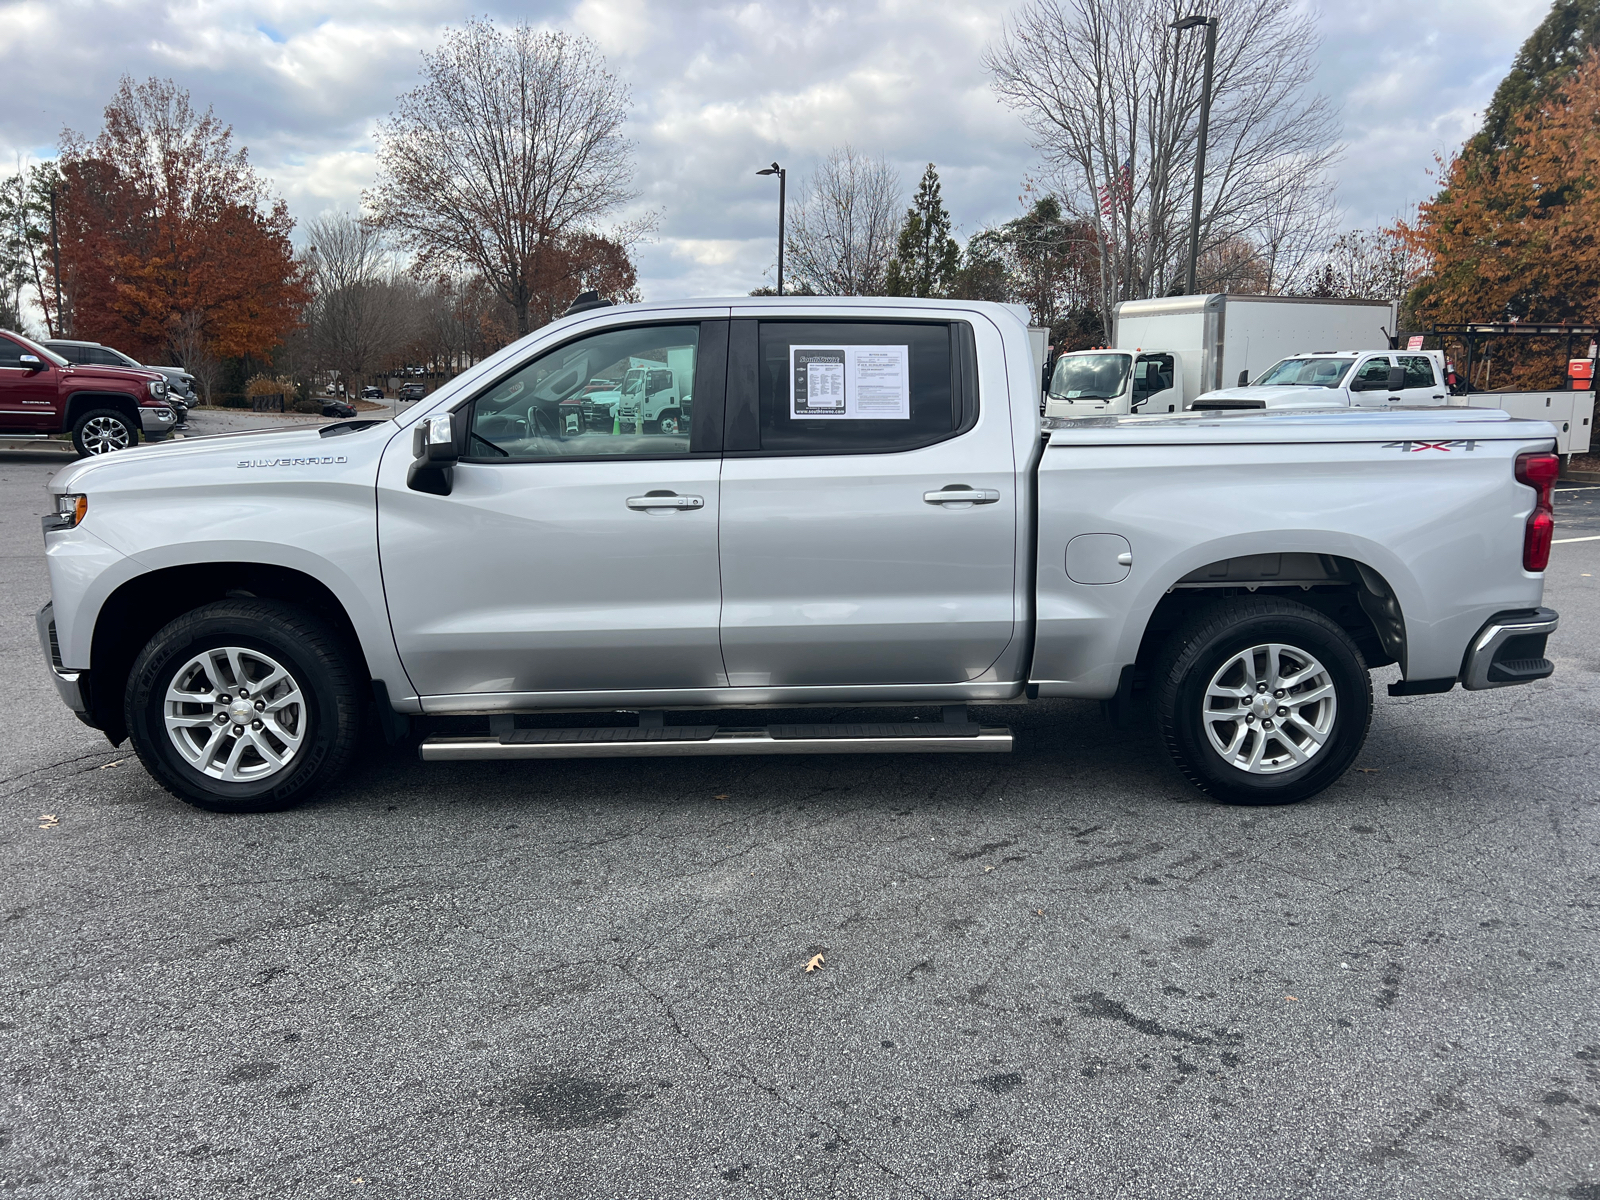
(28, 393)
(1373, 373)
(563, 560)
(869, 506)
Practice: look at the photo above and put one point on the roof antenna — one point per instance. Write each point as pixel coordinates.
(584, 302)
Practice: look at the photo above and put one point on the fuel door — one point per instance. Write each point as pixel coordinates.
(1099, 558)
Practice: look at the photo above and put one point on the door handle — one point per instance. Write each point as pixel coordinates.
(956, 494)
(657, 500)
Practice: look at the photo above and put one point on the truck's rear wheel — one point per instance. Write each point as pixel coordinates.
(244, 706)
(1262, 700)
(102, 430)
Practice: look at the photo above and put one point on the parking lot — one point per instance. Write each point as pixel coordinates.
(1062, 972)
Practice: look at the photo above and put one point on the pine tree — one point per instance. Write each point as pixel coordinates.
(927, 257)
(1551, 56)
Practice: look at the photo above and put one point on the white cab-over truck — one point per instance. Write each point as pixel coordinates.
(1168, 352)
(862, 516)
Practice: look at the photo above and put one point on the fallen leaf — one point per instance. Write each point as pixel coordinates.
(724, 796)
(1369, 770)
(815, 964)
(988, 868)
(109, 765)
(1041, 912)
(1291, 997)
(48, 821)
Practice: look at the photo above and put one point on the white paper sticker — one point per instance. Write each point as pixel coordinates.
(851, 383)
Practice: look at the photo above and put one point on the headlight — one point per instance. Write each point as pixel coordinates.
(71, 508)
(158, 387)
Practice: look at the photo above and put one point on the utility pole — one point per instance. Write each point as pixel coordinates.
(783, 180)
(1200, 154)
(55, 254)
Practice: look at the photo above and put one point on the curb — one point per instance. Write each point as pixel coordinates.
(1580, 477)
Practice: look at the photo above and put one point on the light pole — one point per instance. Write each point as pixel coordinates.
(1200, 154)
(783, 183)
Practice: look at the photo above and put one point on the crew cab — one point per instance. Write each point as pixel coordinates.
(863, 515)
(1339, 379)
(105, 408)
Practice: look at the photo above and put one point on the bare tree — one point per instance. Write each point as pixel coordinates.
(1372, 264)
(1112, 97)
(844, 230)
(362, 312)
(511, 143)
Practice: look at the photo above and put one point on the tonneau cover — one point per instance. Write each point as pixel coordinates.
(1266, 426)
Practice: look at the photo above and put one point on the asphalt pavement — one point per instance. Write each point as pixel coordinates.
(1057, 973)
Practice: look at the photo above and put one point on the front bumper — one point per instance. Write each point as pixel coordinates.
(1509, 649)
(157, 419)
(72, 685)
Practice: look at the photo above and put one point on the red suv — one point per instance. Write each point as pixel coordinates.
(105, 408)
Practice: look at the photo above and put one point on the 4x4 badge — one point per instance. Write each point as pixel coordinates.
(1446, 446)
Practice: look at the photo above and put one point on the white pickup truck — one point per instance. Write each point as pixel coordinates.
(863, 515)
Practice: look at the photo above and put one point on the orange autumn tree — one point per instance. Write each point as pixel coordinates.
(1514, 234)
(171, 246)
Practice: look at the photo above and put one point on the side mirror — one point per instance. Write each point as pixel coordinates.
(1397, 379)
(1244, 378)
(435, 454)
(31, 361)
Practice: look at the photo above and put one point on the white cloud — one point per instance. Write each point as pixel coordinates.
(720, 89)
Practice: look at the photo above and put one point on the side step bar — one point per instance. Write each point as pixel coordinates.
(687, 741)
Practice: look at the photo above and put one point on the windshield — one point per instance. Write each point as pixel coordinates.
(1090, 376)
(1306, 372)
(50, 356)
(633, 382)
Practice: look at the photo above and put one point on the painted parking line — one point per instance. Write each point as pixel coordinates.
(1564, 541)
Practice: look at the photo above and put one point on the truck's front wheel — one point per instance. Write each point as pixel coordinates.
(1262, 700)
(102, 430)
(244, 706)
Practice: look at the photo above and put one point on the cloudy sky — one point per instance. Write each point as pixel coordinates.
(719, 89)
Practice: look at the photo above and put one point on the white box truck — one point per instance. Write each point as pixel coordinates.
(1169, 351)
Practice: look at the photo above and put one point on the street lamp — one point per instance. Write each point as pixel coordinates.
(1200, 154)
(783, 182)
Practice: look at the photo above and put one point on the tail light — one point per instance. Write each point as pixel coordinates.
(1539, 471)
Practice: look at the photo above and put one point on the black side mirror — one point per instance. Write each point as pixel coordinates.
(30, 361)
(1244, 378)
(435, 454)
(1397, 378)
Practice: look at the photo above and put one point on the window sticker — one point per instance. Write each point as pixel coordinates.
(851, 383)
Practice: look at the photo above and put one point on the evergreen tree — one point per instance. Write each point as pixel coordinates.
(927, 257)
(1551, 56)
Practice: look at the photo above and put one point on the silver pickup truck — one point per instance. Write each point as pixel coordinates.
(859, 513)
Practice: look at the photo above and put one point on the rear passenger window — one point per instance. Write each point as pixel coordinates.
(858, 386)
(1419, 370)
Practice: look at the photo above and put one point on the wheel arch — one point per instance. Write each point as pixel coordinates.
(139, 607)
(1351, 593)
(79, 403)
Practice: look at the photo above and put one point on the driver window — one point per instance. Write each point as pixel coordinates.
(1375, 371)
(622, 393)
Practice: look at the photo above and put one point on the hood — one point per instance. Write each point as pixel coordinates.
(1280, 397)
(86, 371)
(285, 449)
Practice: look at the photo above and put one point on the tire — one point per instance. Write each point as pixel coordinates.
(1216, 664)
(103, 430)
(284, 745)
(669, 422)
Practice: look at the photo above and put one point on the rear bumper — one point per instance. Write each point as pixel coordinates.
(1509, 649)
(71, 685)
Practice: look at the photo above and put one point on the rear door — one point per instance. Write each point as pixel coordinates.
(869, 506)
(1420, 385)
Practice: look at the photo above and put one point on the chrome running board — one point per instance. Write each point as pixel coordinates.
(698, 741)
